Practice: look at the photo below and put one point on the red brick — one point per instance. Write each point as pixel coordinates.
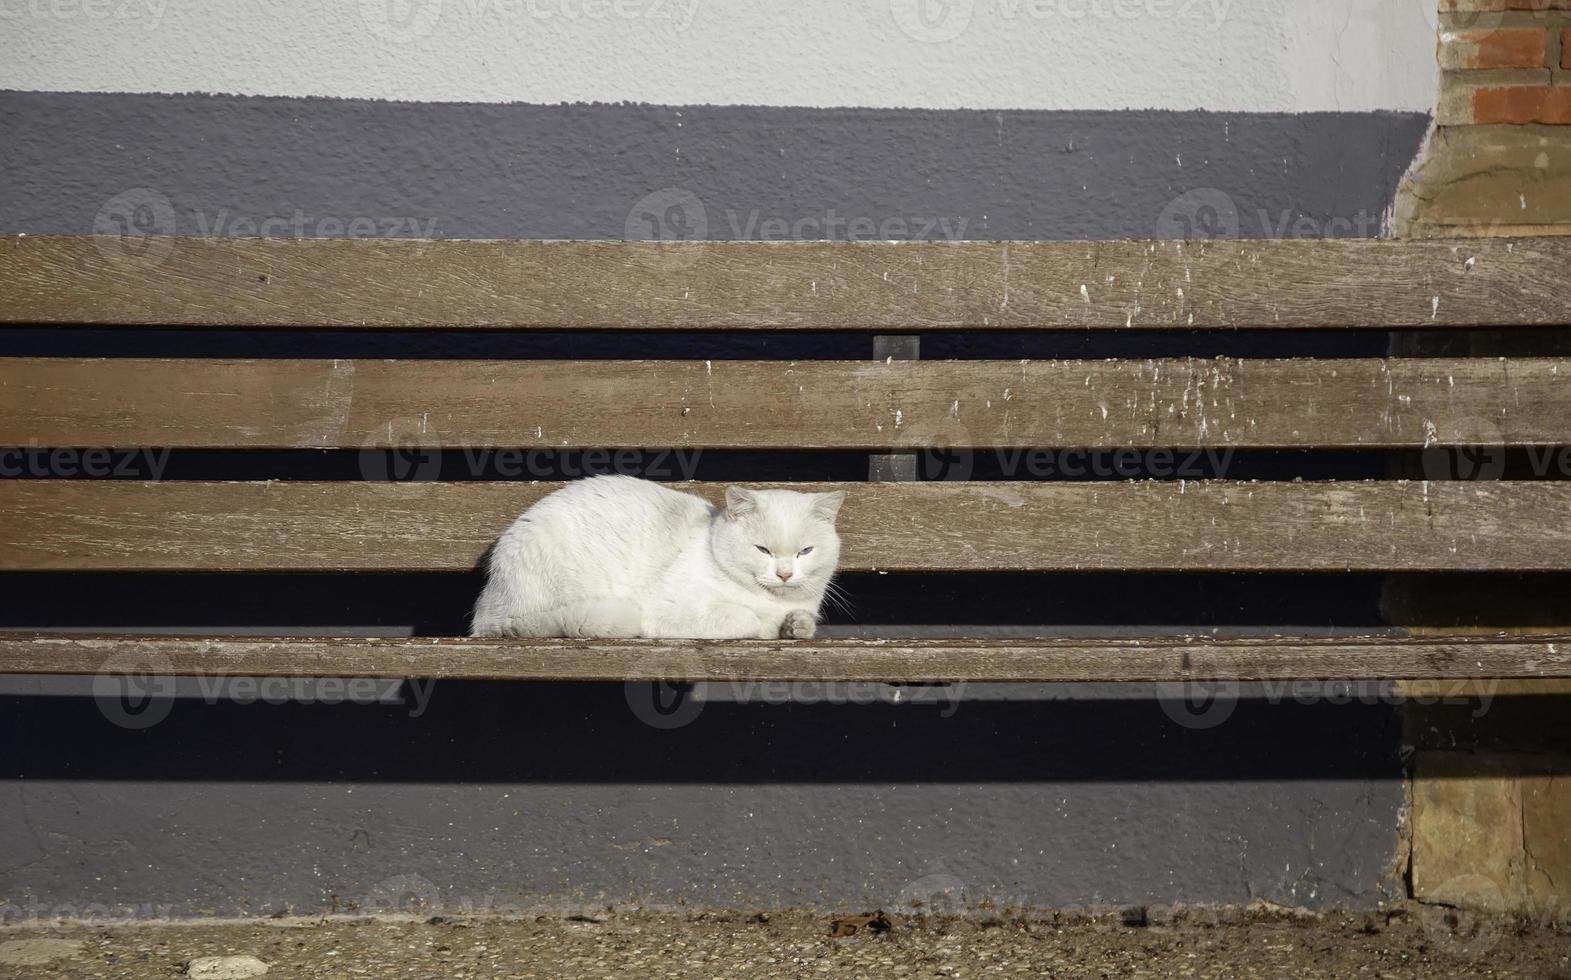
(1565, 48)
(1515, 48)
(1453, 6)
(1523, 104)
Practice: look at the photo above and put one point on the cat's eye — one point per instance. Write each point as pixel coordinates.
(805, 551)
(763, 549)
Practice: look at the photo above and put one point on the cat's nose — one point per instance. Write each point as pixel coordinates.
(784, 576)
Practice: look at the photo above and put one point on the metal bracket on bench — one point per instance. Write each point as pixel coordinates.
(886, 467)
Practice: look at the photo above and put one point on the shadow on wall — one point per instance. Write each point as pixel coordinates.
(485, 732)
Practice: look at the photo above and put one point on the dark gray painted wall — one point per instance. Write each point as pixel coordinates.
(228, 163)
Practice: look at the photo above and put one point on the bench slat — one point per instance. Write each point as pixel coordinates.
(880, 286)
(911, 661)
(760, 404)
(1371, 526)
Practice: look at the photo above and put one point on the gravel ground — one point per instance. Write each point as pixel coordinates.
(1416, 943)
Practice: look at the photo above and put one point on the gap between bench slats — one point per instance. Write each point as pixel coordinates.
(1134, 526)
(877, 286)
(1364, 403)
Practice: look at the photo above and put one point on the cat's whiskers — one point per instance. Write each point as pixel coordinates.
(835, 596)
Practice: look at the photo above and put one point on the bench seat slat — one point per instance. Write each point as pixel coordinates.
(1299, 403)
(428, 526)
(878, 286)
(1176, 658)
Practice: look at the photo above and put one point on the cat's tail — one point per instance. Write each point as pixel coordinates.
(602, 618)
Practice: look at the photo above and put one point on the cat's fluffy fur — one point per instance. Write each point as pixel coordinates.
(616, 556)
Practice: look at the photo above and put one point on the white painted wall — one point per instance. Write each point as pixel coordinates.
(1246, 55)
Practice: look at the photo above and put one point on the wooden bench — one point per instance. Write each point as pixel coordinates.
(886, 406)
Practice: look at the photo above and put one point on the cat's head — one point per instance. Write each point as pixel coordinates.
(778, 540)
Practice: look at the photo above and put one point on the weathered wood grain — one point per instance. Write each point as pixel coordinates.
(883, 286)
(1169, 659)
(811, 404)
(1372, 526)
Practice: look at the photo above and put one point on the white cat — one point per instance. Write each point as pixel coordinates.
(616, 556)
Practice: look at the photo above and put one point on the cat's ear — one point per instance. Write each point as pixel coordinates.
(827, 505)
(739, 502)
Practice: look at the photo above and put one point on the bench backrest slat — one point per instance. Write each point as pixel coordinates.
(1362, 403)
(1165, 526)
(877, 286)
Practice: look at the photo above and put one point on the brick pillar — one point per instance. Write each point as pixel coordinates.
(1499, 159)
(1490, 804)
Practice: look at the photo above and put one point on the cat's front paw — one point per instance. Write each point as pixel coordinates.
(799, 625)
